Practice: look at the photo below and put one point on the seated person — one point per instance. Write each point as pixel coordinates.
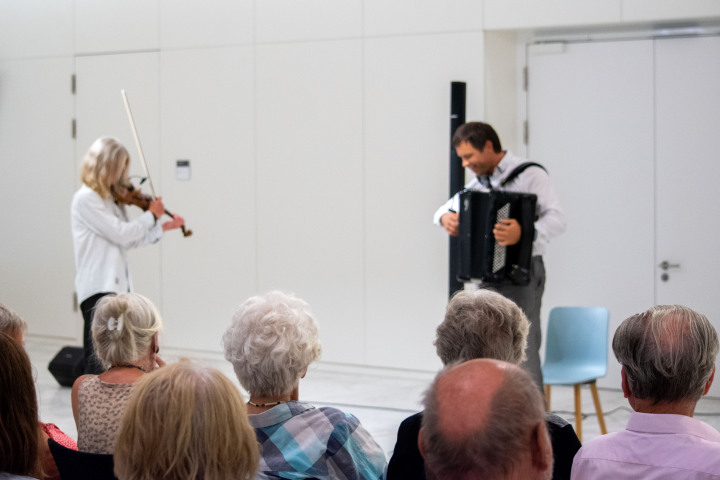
(186, 422)
(485, 419)
(19, 431)
(668, 363)
(480, 324)
(271, 341)
(125, 336)
(14, 326)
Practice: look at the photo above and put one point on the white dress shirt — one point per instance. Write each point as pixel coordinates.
(102, 235)
(551, 219)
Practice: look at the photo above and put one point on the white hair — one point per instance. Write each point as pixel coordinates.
(271, 341)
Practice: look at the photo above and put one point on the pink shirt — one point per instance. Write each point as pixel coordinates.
(652, 447)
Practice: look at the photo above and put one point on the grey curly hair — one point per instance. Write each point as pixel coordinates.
(271, 341)
(140, 322)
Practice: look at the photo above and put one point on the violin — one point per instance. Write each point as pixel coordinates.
(127, 194)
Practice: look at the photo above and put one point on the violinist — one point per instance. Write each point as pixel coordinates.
(103, 234)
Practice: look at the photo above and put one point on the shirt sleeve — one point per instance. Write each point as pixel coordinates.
(354, 452)
(551, 218)
(99, 217)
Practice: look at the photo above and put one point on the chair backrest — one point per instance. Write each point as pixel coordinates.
(75, 465)
(578, 335)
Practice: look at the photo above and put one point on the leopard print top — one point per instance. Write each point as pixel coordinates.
(100, 409)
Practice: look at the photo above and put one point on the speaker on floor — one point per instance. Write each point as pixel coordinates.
(67, 365)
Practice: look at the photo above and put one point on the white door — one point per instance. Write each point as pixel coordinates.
(630, 129)
(100, 112)
(590, 123)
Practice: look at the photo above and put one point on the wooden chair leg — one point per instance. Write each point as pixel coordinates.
(547, 397)
(598, 408)
(578, 412)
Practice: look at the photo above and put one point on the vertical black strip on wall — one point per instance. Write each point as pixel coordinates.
(457, 173)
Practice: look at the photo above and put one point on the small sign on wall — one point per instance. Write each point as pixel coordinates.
(182, 170)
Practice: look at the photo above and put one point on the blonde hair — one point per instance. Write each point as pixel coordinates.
(11, 323)
(123, 327)
(106, 159)
(186, 421)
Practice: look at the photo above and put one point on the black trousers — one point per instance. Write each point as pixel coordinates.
(91, 363)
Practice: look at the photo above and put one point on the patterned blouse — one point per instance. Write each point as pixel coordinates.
(100, 410)
(300, 441)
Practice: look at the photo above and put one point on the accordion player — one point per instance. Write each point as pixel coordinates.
(479, 255)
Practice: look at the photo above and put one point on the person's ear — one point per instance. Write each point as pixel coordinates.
(624, 383)
(541, 448)
(709, 382)
(421, 442)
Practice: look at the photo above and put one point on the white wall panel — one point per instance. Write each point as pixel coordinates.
(208, 118)
(407, 130)
(518, 14)
(310, 184)
(199, 23)
(101, 112)
(402, 17)
(644, 10)
(116, 25)
(37, 269)
(36, 28)
(283, 21)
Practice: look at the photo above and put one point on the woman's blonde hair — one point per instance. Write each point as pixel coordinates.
(186, 421)
(123, 327)
(106, 159)
(11, 323)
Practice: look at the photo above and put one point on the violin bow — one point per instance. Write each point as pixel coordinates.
(137, 142)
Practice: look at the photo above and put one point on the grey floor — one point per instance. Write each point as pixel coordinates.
(380, 399)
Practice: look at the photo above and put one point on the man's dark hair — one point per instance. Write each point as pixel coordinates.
(477, 134)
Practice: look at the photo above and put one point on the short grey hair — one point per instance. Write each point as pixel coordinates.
(11, 323)
(271, 341)
(482, 324)
(140, 322)
(668, 353)
(516, 410)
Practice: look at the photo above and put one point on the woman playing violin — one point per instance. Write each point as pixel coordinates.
(103, 234)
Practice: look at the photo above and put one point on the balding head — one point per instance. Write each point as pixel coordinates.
(485, 419)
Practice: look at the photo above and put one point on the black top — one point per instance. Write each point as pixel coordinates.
(407, 463)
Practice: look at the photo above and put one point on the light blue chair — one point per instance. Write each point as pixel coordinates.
(576, 352)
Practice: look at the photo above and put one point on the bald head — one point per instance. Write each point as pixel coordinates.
(485, 419)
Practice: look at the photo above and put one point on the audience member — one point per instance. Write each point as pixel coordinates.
(20, 437)
(485, 419)
(480, 324)
(668, 363)
(186, 422)
(125, 335)
(271, 341)
(15, 327)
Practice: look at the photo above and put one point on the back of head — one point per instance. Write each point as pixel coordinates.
(482, 324)
(482, 419)
(123, 327)
(271, 341)
(19, 430)
(185, 421)
(477, 134)
(668, 353)
(106, 160)
(11, 323)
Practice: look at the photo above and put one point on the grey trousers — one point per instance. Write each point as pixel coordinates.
(529, 299)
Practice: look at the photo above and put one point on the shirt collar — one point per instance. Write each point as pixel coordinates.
(670, 423)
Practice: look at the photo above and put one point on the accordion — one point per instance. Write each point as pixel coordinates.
(479, 256)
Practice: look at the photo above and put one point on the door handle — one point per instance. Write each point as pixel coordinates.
(667, 265)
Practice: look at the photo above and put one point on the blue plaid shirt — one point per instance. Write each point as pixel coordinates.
(301, 441)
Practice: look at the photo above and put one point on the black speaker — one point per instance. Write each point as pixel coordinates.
(67, 365)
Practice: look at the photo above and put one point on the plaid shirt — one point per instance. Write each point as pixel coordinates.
(301, 441)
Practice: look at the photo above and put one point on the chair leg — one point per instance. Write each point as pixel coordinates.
(578, 412)
(547, 397)
(598, 408)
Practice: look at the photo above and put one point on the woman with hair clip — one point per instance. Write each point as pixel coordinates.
(20, 435)
(125, 334)
(102, 232)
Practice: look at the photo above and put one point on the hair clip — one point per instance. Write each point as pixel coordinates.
(115, 324)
